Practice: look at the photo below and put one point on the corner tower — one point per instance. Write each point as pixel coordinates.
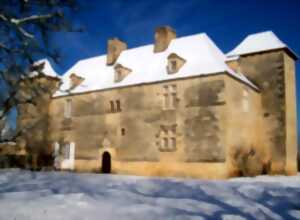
(270, 64)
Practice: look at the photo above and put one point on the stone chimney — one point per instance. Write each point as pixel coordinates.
(163, 36)
(114, 49)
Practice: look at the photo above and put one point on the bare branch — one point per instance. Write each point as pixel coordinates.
(4, 47)
(31, 18)
(25, 33)
(3, 17)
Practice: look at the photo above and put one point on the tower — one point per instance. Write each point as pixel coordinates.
(270, 64)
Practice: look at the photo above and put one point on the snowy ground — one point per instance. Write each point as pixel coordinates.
(54, 195)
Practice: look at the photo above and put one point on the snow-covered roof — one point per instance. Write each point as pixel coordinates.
(47, 70)
(259, 42)
(202, 57)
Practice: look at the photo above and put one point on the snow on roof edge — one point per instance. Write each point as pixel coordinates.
(238, 76)
(263, 41)
(210, 48)
(48, 70)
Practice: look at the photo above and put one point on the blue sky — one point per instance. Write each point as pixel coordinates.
(226, 22)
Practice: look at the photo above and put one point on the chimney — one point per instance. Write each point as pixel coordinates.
(163, 37)
(114, 49)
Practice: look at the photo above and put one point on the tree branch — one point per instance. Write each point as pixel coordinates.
(3, 17)
(5, 47)
(31, 18)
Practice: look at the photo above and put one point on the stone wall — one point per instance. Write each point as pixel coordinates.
(273, 72)
(198, 117)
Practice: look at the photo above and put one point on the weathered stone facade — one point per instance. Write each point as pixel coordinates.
(179, 127)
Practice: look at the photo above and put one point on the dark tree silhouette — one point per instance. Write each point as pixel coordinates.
(25, 30)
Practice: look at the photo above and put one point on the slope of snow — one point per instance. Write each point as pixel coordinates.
(202, 57)
(48, 70)
(258, 42)
(61, 195)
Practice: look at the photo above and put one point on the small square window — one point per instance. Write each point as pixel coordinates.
(173, 67)
(123, 131)
(166, 143)
(173, 88)
(68, 108)
(166, 89)
(173, 143)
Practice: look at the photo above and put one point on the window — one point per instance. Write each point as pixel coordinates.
(170, 97)
(68, 108)
(123, 132)
(118, 105)
(67, 151)
(175, 62)
(112, 106)
(245, 101)
(119, 75)
(121, 72)
(168, 138)
(173, 66)
(115, 106)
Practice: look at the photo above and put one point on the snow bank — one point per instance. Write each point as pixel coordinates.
(61, 195)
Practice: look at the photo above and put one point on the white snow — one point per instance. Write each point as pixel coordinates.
(61, 195)
(258, 42)
(202, 57)
(48, 70)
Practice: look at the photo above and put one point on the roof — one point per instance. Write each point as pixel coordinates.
(202, 57)
(259, 42)
(47, 70)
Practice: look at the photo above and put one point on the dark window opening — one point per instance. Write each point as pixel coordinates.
(123, 131)
(112, 106)
(118, 105)
(173, 65)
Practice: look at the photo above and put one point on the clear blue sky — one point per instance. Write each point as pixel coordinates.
(226, 22)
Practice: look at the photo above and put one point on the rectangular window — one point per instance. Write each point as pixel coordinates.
(118, 105)
(166, 143)
(245, 101)
(166, 101)
(123, 132)
(112, 106)
(170, 97)
(68, 108)
(168, 138)
(67, 151)
(173, 66)
(173, 101)
(173, 143)
(245, 105)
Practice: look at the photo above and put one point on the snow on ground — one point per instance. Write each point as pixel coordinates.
(61, 195)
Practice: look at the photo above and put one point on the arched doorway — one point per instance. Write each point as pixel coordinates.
(106, 162)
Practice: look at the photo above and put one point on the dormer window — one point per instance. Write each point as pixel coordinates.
(175, 62)
(75, 81)
(121, 72)
(173, 66)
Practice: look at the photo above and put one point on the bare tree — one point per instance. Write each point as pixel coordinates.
(25, 27)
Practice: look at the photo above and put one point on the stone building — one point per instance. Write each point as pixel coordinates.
(178, 107)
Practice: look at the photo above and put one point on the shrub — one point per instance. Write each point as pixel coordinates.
(248, 162)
